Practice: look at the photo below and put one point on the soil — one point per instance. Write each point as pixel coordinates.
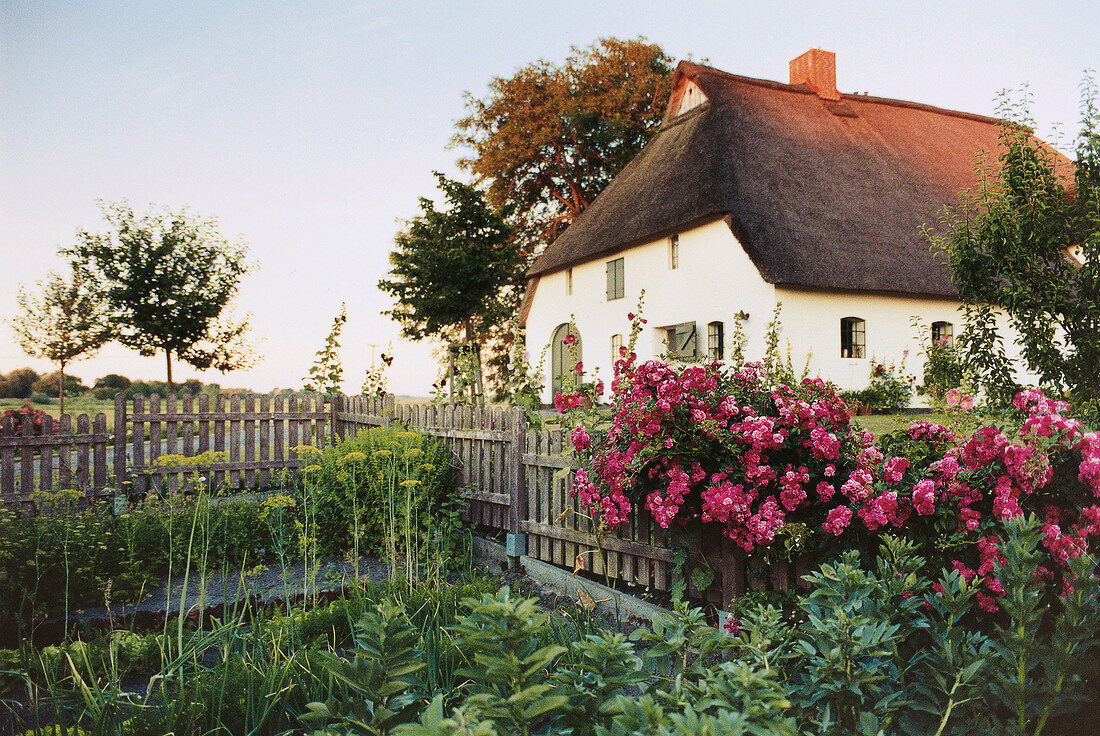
(266, 585)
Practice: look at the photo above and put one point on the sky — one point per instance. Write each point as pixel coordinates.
(310, 128)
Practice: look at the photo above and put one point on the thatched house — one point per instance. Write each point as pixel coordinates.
(755, 192)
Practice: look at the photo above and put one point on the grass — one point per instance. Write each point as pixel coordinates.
(74, 406)
(86, 404)
(880, 424)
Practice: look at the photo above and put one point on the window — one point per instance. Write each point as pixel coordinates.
(616, 288)
(568, 282)
(853, 337)
(674, 252)
(714, 341)
(943, 332)
(683, 342)
(616, 346)
(565, 353)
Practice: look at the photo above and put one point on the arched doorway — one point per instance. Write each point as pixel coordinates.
(564, 355)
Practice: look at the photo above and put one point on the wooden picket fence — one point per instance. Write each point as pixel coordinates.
(517, 481)
(254, 438)
(71, 457)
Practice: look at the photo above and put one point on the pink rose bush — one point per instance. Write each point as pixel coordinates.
(702, 442)
(721, 446)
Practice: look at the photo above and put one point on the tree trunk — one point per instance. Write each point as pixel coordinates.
(168, 361)
(61, 393)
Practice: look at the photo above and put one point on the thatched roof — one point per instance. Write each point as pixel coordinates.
(820, 193)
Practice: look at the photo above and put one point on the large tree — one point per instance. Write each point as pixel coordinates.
(61, 320)
(451, 267)
(549, 138)
(168, 278)
(1028, 242)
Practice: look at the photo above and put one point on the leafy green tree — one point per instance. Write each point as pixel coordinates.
(1028, 242)
(451, 267)
(107, 386)
(168, 278)
(62, 320)
(19, 382)
(51, 383)
(549, 138)
(112, 380)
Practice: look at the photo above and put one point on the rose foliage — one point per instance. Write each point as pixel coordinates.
(747, 456)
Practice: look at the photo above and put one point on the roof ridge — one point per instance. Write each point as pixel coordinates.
(805, 90)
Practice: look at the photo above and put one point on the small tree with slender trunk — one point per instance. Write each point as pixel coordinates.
(168, 278)
(62, 320)
(451, 267)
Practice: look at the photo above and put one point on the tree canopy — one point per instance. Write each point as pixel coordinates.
(549, 138)
(62, 320)
(1028, 242)
(168, 278)
(451, 266)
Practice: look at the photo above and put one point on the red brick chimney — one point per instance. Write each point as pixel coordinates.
(817, 70)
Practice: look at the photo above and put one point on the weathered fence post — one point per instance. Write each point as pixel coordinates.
(336, 429)
(388, 409)
(516, 541)
(121, 474)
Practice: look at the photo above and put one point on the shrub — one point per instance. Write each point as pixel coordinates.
(18, 383)
(43, 422)
(724, 447)
(106, 387)
(880, 649)
(943, 369)
(61, 552)
(50, 384)
(112, 380)
(889, 387)
(383, 479)
(759, 462)
(148, 388)
(955, 494)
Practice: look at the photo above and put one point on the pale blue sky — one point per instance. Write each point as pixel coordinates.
(310, 128)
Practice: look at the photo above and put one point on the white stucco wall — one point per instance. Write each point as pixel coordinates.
(811, 325)
(716, 280)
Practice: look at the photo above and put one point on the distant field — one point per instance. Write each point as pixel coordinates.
(75, 406)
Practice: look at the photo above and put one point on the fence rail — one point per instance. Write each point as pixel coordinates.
(254, 436)
(68, 458)
(517, 481)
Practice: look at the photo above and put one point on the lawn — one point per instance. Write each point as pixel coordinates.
(86, 404)
(76, 405)
(880, 424)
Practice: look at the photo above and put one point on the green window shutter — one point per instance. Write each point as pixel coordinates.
(615, 280)
(686, 345)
